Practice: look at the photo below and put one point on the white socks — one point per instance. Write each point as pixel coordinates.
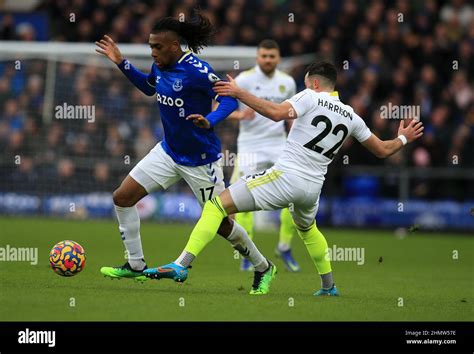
(185, 259)
(129, 226)
(242, 243)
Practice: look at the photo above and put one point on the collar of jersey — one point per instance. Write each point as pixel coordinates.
(188, 52)
(334, 94)
(181, 58)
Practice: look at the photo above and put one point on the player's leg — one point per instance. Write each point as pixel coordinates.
(283, 250)
(204, 232)
(276, 190)
(316, 244)
(232, 231)
(262, 191)
(238, 237)
(287, 228)
(152, 173)
(206, 182)
(245, 219)
(125, 198)
(214, 211)
(267, 157)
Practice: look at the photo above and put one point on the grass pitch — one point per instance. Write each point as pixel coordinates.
(419, 278)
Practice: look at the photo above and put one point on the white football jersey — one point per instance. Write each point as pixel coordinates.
(322, 125)
(261, 133)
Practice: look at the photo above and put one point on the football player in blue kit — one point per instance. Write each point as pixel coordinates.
(190, 149)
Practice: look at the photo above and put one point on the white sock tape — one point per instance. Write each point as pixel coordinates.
(403, 139)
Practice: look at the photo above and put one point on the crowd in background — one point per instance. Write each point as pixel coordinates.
(388, 53)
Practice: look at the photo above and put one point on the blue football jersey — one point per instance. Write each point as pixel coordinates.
(181, 90)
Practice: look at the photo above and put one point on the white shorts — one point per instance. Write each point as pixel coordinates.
(157, 170)
(273, 189)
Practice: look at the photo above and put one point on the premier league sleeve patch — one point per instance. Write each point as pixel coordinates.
(213, 78)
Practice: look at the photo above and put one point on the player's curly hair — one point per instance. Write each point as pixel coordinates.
(197, 32)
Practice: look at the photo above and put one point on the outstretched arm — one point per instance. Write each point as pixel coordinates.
(271, 110)
(386, 148)
(242, 114)
(107, 47)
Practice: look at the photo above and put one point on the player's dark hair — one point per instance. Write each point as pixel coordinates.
(197, 32)
(324, 69)
(268, 44)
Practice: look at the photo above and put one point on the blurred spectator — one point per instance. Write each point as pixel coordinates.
(438, 136)
(7, 27)
(16, 144)
(102, 181)
(459, 10)
(114, 144)
(463, 140)
(53, 148)
(460, 90)
(62, 177)
(144, 142)
(25, 32)
(13, 115)
(24, 177)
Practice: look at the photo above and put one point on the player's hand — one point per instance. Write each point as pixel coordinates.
(247, 114)
(199, 121)
(227, 88)
(412, 131)
(107, 47)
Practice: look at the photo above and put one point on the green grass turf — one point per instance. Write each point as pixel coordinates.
(419, 268)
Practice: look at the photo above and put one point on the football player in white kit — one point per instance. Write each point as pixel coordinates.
(261, 141)
(321, 125)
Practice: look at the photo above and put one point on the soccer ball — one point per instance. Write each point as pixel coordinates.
(67, 258)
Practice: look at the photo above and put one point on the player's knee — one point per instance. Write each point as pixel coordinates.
(303, 227)
(123, 199)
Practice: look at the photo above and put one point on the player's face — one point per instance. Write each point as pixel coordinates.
(268, 59)
(164, 49)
